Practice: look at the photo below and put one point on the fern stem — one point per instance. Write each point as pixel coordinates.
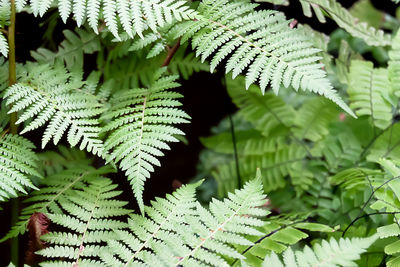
(171, 52)
(12, 79)
(235, 151)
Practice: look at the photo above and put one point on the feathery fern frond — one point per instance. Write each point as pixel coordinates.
(3, 45)
(386, 145)
(54, 96)
(180, 232)
(313, 118)
(345, 20)
(260, 44)
(333, 253)
(134, 16)
(89, 216)
(5, 11)
(394, 65)
(18, 163)
(368, 92)
(71, 50)
(141, 125)
(54, 189)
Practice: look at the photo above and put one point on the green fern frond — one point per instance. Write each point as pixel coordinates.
(18, 163)
(180, 232)
(387, 145)
(333, 253)
(51, 95)
(134, 16)
(3, 45)
(71, 50)
(345, 20)
(141, 125)
(89, 216)
(260, 44)
(313, 118)
(394, 65)
(54, 189)
(368, 92)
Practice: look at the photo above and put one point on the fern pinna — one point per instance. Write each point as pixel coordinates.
(140, 123)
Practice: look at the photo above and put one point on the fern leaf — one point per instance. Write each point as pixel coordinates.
(79, 10)
(368, 92)
(260, 42)
(71, 50)
(141, 126)
(89, 218)
(54, 188)
(333, 253)
(345, 20)
(51, 96)
(3, 45)
(18, 163)
(179, 231)
(394, 65)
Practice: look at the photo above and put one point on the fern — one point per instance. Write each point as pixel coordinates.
(18, 164)
(261, 42)
(55, 188)
(53, 96)
(5, 9)
(89, 217)
(332, 253)
(71, 50)
(368, 92)
(345, 20)
(130, 14)
(179, 231)
(141, 125)
(394, 65)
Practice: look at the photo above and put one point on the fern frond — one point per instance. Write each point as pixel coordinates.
(141, 125)
(3, 45)
(18, 163)
(368, 92)
(394, 65)
(345, 20)
(71, 50)
(386, 145)
(50, 95)
(54, 189)
(135, 16)
(333, 253)
(260, 44)
(89, 216)
(313, 118)
(179, 231)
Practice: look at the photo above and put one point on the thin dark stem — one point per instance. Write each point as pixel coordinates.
(235, 151)
(171, 53)
(12, 79)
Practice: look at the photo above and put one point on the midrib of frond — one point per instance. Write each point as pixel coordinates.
(329, 10)
(77, 48)
(81, 247)
(54, 198)
(144, 245)
(220, 227)
(244, 39)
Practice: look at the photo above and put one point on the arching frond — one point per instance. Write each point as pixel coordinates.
(180, 232)
(18, 163)
(394, 65)
(259, 44)
(89, 216)
(51, 95)
(56, 188)
(135, 16)
(71, 50)
(345, 20)
(333, 253)
(368, 92)
(141, 123)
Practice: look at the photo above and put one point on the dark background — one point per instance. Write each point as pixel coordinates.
(205, 100)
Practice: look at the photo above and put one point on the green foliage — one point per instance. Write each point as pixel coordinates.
(110, 88)
(332, 253)
(57, 97)
(140, 126)
(179, 231)
(18, 163)
(89, 218)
